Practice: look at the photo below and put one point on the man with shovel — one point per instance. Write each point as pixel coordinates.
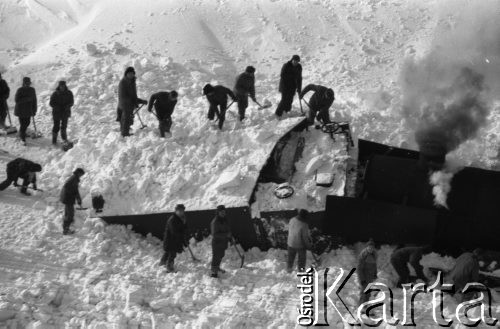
(127, 101)
(319, 103)
(221, 235)
(217, 97)
(174, 238)
(244, 87)
(25, 107)
(70, 194)
(164, 103)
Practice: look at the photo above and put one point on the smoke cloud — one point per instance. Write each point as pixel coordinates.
(448, 92)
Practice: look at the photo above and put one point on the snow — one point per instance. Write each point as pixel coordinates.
(107, 276)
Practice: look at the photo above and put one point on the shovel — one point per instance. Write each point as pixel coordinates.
(11, 129)
(81, 208)
(139, 116)
(242, 257)
(35, 134)
(196, 260)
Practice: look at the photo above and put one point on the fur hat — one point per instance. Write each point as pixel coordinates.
(79, 171)
(296, 58)
(26, 81)
(180, 206)
(208, 89)
(250, 69)
(129, 69)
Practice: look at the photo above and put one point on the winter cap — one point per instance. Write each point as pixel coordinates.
(79, 171)
(180, 206)
(330, 93)
(26, 80)
(62, 83)
(303, 213)
(208, 89)
(221, 207)
(174, 93)
(296, 58)
(35, 168)
(250, 69)
(129, 69)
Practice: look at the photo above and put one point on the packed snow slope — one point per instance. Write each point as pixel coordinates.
(356, 47)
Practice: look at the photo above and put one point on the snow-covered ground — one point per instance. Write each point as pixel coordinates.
(358, 48)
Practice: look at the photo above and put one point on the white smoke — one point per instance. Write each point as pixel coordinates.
(441, 181)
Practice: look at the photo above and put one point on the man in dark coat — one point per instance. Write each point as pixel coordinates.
(402, 256)
(164, 103)
(244, 87)
(466, 270)
(4, 95)
(319, 103)
(217, 97)
(221, 235)
(367, 269)
(61, 102)
(21, 168)
(25, 106)
(290, 82)
(70, 195)
(174, 238)
(127, 101)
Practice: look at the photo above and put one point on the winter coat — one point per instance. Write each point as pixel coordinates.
(319, 100)
(69, 192)
(173, 238)
(127, 95)
(219, 97)
(245, 85)
(20, 168)
(367, 265)
(299, 236)
(290, 78)
(4, 94)
(25, 102)
(61, 103)
(163, 105)
(221, 232)
(466, 270)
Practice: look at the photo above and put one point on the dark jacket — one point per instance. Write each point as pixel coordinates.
(173, 238)
(221, 232)
(163, 105)
(4, 94)
(61, 103)
(319, 100)
(219, 97)
(466, 270)
(127, 95)
(20, 168)
(367, 265)
(290, 78)
(410, 255)
(245, 85)
(25, 102)
(69, 192)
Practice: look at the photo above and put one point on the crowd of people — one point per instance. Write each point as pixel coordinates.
(164, 102)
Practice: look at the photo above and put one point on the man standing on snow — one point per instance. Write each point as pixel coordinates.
(367, 269)
(221, 235)
(127, 101)
(21, 168)
(299, 240)
(70, 195)
(466, 270)
(174, 237)
(400, 259)
(290, 82)
(25, 107)
(4, 95)
(164, 103)
(244, 87)
(319, 103)
(217, 97)
(61, 102)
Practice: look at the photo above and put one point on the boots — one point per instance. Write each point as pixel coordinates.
(54, 139)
